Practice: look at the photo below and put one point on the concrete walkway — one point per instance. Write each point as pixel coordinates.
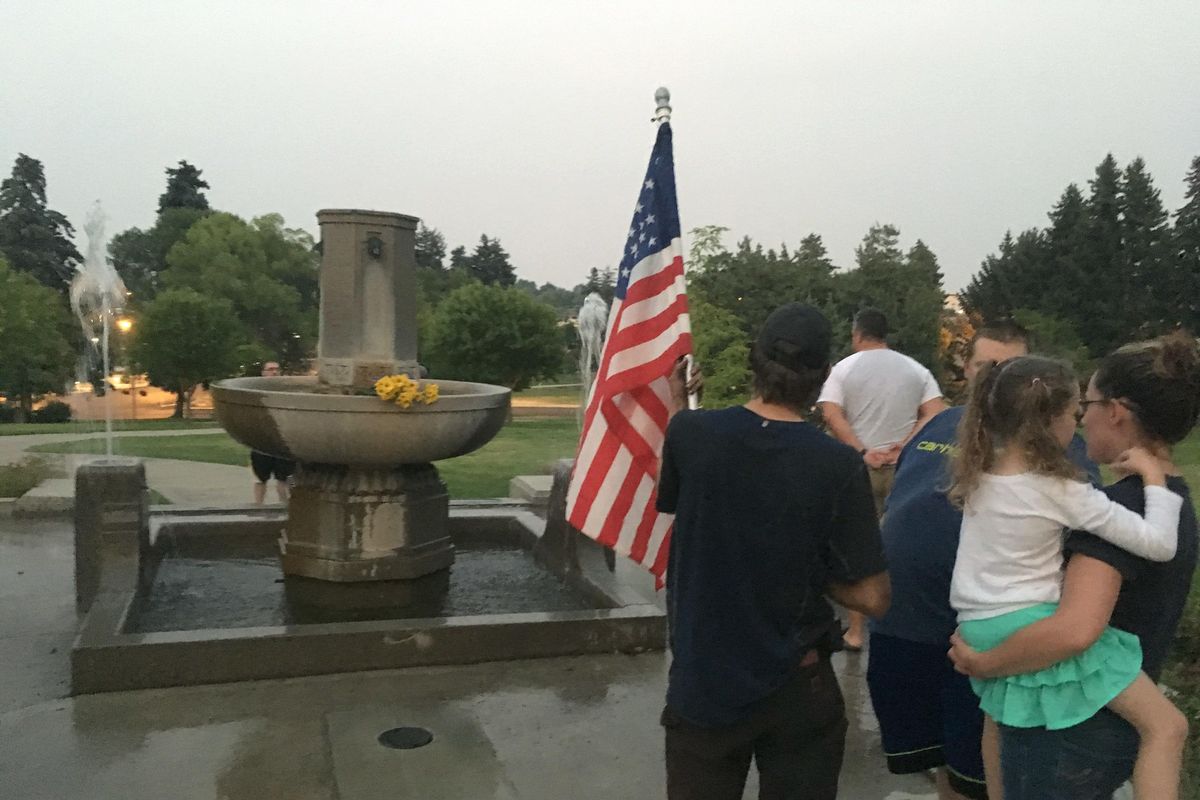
(583, 728)
(181, 482)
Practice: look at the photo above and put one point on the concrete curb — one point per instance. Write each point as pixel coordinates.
(50, 498)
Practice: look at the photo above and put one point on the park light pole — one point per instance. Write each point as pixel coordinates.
(125, 325)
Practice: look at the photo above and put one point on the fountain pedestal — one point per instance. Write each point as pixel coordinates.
(367, 503)
(349, 524)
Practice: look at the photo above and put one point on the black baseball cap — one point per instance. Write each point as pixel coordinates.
(797, 336)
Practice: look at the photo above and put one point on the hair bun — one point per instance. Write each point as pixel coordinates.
(1178, 357)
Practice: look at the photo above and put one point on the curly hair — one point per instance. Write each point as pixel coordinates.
(1013, 405)
(1158, 381)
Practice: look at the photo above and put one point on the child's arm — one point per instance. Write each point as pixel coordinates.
(1089, 595)
(1155, 537)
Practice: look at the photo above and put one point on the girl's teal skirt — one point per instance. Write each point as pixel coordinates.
(1062, 695)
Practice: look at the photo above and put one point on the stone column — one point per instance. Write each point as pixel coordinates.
(351, 524)
(368, 297)
(112, 526)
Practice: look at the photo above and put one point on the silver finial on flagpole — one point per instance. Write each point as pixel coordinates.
(662, 100)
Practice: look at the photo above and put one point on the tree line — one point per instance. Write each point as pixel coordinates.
(214, 295)
(731, 292)
(1110, 267)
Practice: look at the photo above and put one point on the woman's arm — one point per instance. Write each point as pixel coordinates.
(1090, 590)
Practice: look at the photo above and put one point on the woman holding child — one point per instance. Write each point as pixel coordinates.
(1060, 680)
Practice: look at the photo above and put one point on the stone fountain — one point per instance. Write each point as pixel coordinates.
(379, 569)
(367, 504)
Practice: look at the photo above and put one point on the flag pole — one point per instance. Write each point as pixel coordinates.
(662, 100)
(662, 113)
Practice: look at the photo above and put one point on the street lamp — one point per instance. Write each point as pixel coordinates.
(125, 325)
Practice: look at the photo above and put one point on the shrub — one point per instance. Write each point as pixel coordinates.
(54, 411)
(7, 413)
(493, 335)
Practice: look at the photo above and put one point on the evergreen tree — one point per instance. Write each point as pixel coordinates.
(919, 310)
(34, 238)
(1144, 241)
(812, 255)
(490, 263)
(600, 282)
(184, 186)
(1184, 277)
(880, 249)
(924, 263)
(431, 248)
(459, 259)
(140, 256)
(1064, 268)
(1094, 311)
(987, 294)
(907, 289)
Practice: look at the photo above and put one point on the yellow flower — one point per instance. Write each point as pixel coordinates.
(404, 391)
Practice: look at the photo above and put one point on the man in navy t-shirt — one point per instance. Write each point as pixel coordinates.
(929, 717)
(771, 515)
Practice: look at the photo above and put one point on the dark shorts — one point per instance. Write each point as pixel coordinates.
(1087, 762)
(795, 737)
(266, 467)
(928, 715)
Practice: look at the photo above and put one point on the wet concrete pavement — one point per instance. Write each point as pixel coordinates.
(583, 727)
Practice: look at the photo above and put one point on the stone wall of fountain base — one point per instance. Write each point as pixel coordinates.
(189, 597)
(351, 524)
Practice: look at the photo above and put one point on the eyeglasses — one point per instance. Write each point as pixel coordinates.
(1083, 407)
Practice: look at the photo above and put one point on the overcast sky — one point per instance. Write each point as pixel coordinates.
(530, 121)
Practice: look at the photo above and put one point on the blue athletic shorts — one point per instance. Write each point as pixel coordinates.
(928, 715)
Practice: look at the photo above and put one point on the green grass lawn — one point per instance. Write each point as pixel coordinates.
(17, 479)
(526, 446)
(92, 426)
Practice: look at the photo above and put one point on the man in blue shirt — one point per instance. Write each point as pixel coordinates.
(771, 515)
(929, 717)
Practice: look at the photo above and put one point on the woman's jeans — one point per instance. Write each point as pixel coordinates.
(1087, 762)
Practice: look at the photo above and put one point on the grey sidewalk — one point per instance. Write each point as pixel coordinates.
(181, 482)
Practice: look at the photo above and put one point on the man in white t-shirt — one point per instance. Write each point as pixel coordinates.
(874, 401)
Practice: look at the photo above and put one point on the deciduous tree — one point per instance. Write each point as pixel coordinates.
(35, 354)
(267, 273)
(493, 334)
(184, 339)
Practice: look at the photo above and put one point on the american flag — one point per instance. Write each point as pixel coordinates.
(612, 492)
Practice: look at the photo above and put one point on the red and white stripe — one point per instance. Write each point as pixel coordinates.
(612, 492)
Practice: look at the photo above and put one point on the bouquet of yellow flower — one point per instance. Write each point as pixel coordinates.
(404, 391)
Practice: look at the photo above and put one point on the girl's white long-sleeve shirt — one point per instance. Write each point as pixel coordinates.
(1010, 548)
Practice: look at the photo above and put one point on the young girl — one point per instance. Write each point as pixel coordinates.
(1019, 493)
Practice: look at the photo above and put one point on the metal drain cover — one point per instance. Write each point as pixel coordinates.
(405, 738)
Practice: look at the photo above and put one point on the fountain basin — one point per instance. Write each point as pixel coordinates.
(290, 417)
